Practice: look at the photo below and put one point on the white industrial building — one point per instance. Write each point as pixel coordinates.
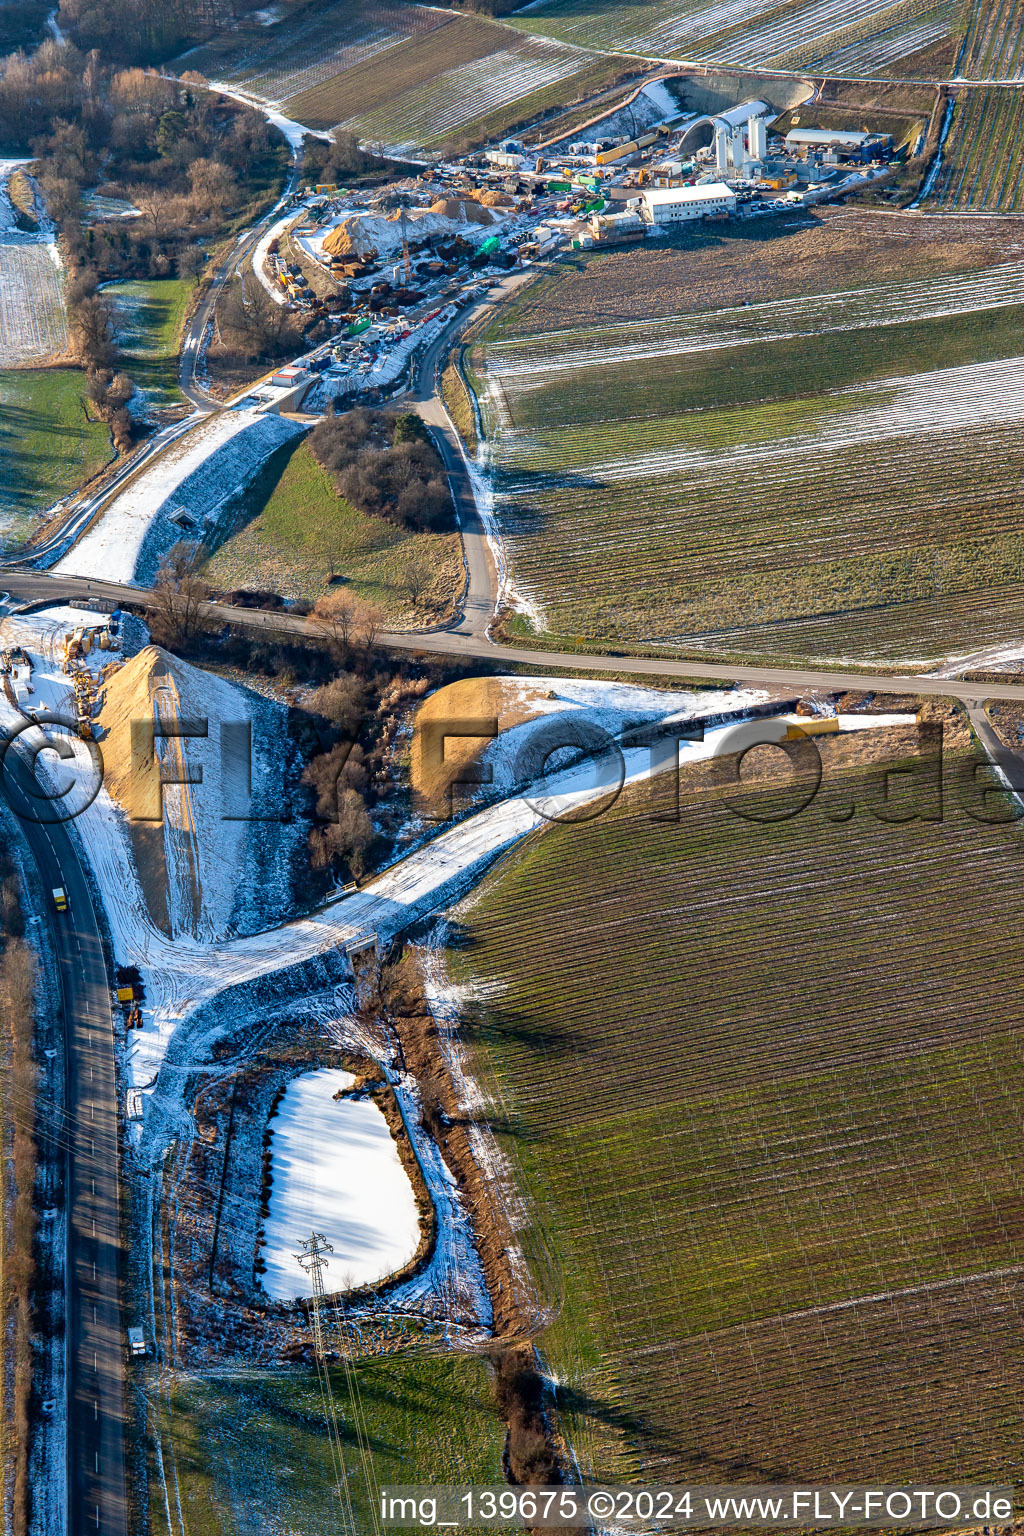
(670, 205)
(800, 140)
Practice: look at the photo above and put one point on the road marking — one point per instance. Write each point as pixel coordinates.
(95, 1409)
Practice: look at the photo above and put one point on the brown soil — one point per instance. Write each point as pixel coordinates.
(842, 248)
(932, 63)
(471, 208)
(869, 96)
(516, 1313)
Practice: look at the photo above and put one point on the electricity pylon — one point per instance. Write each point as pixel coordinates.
(314, 1261)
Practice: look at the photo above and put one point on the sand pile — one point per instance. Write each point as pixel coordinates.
(155, 681)
(507, 701)
(189, 849)
(372, 235)
(347, 240)
(127, 696)
(492, 199)
(462, 210)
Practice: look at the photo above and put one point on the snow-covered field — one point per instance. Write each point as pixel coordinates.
(913, 406)
(874, 54)
(200, 476)
(746, 33)
(33, 322)
(336, 1171)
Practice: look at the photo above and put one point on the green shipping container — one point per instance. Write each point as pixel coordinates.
(357, 326)
(559, 186)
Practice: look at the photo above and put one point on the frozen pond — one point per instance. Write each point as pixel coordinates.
(337, 1171)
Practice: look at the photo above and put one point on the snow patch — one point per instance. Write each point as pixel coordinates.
(294, 132)
(337, 1171)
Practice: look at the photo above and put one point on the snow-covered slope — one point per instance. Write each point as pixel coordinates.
(196, 481)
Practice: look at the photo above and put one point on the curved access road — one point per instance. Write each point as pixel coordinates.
(195, 332)
(27, 586)
(94, 1341)
(482, 579)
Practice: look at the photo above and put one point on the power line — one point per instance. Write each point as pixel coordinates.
(314, 1261)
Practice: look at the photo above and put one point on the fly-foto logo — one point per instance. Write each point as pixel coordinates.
(565, 769)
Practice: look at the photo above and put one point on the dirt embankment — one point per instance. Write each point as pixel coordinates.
(533, 1451)
(324, 286)
(131, 771)
(454, 726)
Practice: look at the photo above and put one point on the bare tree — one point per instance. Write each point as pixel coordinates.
(92, 329)
(415, 576)
(341, 701)
(346, 621)
(191, 263)
(213, 188)
(175, 605)
(160, 209)
(250, 320)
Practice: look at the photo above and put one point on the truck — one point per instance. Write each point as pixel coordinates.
(136, 1341)
(60, 900)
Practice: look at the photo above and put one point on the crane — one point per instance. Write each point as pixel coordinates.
(391, 202)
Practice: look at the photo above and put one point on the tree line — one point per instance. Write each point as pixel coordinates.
(18, 1079)
(185, 161)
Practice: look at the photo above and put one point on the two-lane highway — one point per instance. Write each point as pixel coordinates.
(31, 586)
(94, 1338)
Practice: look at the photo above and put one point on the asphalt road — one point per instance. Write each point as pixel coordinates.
(60, 542)
(482, 584)
(94, 1340)
(35, 586)
(1010, 763)
(192, 340)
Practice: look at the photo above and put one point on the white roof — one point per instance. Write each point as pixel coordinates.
(746, 109)
(826, 136)
(712, 189)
